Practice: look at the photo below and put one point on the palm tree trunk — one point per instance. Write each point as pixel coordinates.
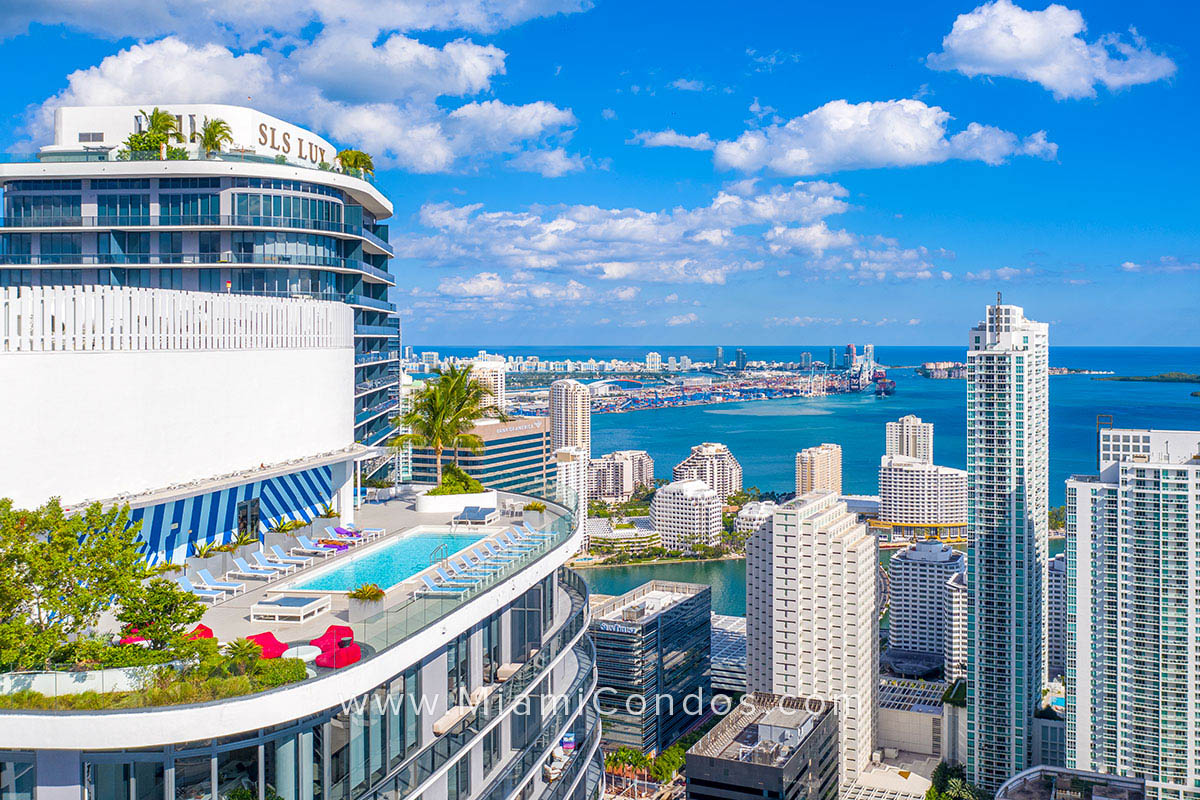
(437, 451)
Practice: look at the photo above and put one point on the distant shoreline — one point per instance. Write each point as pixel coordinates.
(649, 562)
(1162, 377)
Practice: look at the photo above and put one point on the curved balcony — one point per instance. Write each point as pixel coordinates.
(568, 642)
(225, 259)
(206, 222)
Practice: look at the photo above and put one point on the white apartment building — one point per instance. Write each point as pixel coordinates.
(1007, 502)
(686, 514)
(819, 468)
(1056, 617)
(653, 362)
(911, 437)
(615, 476)
(571, 481)
(1132, 611)
(918, 577)
(918, 498)
(754, 516)
(570, 415)
(812, 618)
(957, 605)
(712, 463)
(490, 375)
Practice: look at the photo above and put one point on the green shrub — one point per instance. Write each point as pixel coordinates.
(368, 592)
(279, 672)
(535, 505)
(455, 481)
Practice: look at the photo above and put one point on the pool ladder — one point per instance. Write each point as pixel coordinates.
(440, 555)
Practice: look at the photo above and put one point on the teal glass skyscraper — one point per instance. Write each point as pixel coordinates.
(1007, 433)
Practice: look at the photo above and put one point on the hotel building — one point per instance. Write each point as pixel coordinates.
(652, 663)
(771, 746)
(957, 606)
(271, 217)
(919, 499)
(819, 468)
(686, 515)
(712, 463)
(491, 376)
(812, 617)
(918, 577)
(460, 697)
(516, 456)
(911, 437)
(754, 516)
(570, 415)
(137, 383)
(615, 476)
(1132, 604)
(1007, 507)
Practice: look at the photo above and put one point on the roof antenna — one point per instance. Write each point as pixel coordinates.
(999, 299)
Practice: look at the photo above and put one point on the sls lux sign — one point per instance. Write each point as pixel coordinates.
(291, 142)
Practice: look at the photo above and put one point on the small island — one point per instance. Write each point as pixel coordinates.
(1162, 377)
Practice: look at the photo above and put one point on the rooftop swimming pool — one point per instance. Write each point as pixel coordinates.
(388, 564)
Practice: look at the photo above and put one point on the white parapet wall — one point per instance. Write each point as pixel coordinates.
(112, 390)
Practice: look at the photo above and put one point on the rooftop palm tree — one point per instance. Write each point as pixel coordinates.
(214, 134)
(356, 159)
(443, 414)
(163, 123)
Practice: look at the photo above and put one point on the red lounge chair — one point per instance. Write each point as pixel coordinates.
(271, 647)
(339, 657)
(131, 637)
(200, 632)
(332, 635)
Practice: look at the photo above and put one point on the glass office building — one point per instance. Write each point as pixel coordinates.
(652, 664)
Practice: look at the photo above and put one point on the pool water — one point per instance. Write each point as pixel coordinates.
(388, 564)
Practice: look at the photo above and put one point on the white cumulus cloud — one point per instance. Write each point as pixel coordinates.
(893, 133)
(683, 319)
(670, 138)
(1047, 47)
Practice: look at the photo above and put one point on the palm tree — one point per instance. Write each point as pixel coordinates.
(163, 123)
(443, 414)
(243, 655)
(356, 159)
(214, 134)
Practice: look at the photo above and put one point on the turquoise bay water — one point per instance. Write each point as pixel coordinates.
(727, 578)
(389, 564)
(765, 435)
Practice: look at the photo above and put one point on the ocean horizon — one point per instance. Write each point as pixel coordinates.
(764, 435)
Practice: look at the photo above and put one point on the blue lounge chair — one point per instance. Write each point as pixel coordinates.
(261, 560)
(467, 573)
(508, 553)
(310, 546)
(343, 535)
(484, 561)
(448, 580)
(483, 555)
(486, 567)
(433, 588)
(209, 582)
(513, 542)
(534, 534)
(211, 595)
(370, 533)
(284, 558)
(244, 570)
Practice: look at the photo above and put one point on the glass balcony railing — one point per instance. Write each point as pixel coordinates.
(196, 220)
(375, 330)
(362, 359)
(227, 257)
(92, 156)
(454, 743)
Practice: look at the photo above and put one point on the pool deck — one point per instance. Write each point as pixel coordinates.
(230, 619)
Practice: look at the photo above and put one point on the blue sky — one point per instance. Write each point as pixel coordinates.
(683, 173)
